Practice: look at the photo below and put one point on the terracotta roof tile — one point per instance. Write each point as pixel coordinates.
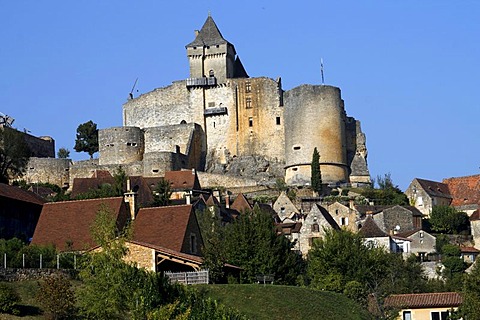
(469, 250)
(70, 221)
(464, 190)
(19, 194)
(83, 185)
(424, 300)
(185, 179)
(163, 226)
(241, 203)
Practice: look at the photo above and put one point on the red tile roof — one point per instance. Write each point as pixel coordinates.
(241, 203)
(16, 193)
(464, 190)
(83, 185)
(469, 250)
(424, 300)
(185, 179)
(70, 221)
(174, 253)
(163, 226)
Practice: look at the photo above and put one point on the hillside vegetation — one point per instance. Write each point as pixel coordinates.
(271, 302)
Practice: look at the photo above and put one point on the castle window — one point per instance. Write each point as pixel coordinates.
(183, 122)
(211, 73)
(278, 121)
(248, 87)
(294, 169)
(131, 144)
(155, 170)
(296, 148)
(214, 124)
(248, 103)
(250, 122)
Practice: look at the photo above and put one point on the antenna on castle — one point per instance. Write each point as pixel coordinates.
(321, 70)
(130, 95)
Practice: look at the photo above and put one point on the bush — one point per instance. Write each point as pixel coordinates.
(56, 297)
(8, 299)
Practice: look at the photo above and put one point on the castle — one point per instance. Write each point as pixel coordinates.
(219, 117)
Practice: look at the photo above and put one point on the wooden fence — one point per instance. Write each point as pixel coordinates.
(193, 277)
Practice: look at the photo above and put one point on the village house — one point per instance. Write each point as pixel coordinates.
(424, 194)
(345, 216)
(19, 212)
(66, 225)
(422, 243)
(285, 208)
(465, 193)
(394, 218)
(424, 306)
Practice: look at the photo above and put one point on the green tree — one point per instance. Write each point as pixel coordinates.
(162, 194)
(446, 219)
(387, 193)
(252, 243)
(87, 138)
(63, 153)
(316, 175)
(470, 308)
(14, 154)
(120, 178)
(342, 262)
(56, 296)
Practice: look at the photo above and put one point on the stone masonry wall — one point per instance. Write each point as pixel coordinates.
(49, 170)
(315, 117)
(120, 145)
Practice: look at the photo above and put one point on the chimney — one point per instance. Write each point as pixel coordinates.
(227, 200)
(196, 33)
(351, 204)
(188, 198)
(193, 171)
(130, 198)
(216, 194)
(128, 185)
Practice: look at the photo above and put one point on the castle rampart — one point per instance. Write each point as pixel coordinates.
(49, 170)
(120, 145)
(315, 117)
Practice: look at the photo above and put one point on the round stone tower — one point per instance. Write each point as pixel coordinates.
(120, 145)
(315, 117)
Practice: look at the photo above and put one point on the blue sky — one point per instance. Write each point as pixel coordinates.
(407, 69)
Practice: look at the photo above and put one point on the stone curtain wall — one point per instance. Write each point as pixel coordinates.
(50, 170)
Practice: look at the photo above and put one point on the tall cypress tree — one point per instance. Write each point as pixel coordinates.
(316, 177)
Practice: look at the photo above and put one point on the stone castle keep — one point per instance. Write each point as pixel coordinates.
(219, 118)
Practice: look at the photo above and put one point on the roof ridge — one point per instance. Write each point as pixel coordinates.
(79, 200)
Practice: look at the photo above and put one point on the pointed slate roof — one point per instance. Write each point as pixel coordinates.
(371, 230)
(209, 35)
(434, 188)
(318, 209)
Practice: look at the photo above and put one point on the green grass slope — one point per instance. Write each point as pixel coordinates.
(285, 302)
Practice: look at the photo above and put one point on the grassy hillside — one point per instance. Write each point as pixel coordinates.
(284, 302)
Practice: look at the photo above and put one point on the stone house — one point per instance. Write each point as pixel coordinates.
(465, 193)
(424, 194)
(475, 228)
(375, 237)
(469, 254)
(291, 230)
(394, 218)
(422, 242)
(314, 226)
(424, 306)
(67, 224)
(345, 216)
(171, 227)
(241, 204)
(285, 208)
(19, 212)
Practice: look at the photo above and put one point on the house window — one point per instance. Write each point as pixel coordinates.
(248, 103)
(250, 122)
(407, 315)
(343, 221)
(248, 87)
(193, 243)
(315, 227)
(278, 121)
(439, 315)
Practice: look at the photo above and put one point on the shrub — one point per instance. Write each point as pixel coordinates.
(8, 299)
(56, 297)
